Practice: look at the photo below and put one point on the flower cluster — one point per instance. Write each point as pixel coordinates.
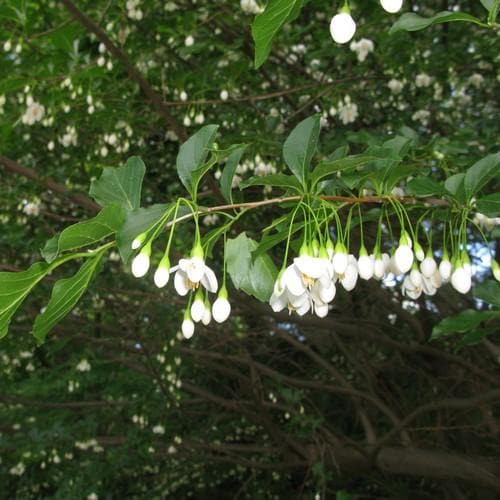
(191, 276)
(309, 283)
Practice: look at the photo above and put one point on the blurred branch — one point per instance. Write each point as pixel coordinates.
(133, 72)
(78, 199)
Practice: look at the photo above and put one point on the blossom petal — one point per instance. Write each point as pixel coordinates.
(209, 280)
(180, 283)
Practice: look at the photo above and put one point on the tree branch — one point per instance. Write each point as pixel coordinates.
(78, 199)
(155, 98)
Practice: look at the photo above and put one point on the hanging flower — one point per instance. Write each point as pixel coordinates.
(189, 273)
(221, 307)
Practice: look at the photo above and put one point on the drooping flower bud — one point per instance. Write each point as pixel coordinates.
(461, 280)
(419, 251)
(404, 254)
(187, 326)
(140, 264)
(365, 264)
(495, 267)
(138, 241)
(221, 307)
(342, 27)
(391, 6)
(207, 315)
(162, 273)
(198, 307)
(340, 260)
(445, 268)
(428, 266)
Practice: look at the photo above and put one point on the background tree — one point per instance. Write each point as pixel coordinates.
(116, 403)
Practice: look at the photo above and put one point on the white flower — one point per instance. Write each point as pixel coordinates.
(34, 113)
(221, 308)
(410, 290)
(404, 254)
(423, 80)
(380, 265)
(207, 315)
(340, 259)
(250, 7)
(342, 27)
(17, 470)
(198, 308)
(419, 251)
(365, 265)
(140, 264)
(92, 496)
(428, 286)
(391, 6)
(422, 116)
(32, 209)
(159, 429)
(395, 86)
(189, 41)
(162, 273)
(224, 95)
(349, 277)
(476, 79)
(187, 327)
(362, 48)
(83, 366)
(191, 272)
(445, 269)
(183, 96)
(428, 266)
(347, 111)
(461, 280)
(416, 278)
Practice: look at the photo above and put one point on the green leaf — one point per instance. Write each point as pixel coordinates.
(424, 186)
(65, 295)
(121, 185)
(300, 146)
(193, 154)
(463, 322)
(135, 224)
(487, 4)
(414, 22)
(394, 173)
(267, 24)
(274, 180)
(489, 205)
(398, 145)
(85, 233)
(489, 292)
(481, 173)
(455, 186)
(14, 287)
(226, 179)
(253, 277)
(327, 168)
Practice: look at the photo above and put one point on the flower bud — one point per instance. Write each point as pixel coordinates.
(162, 273)
(187, 326)
(221, 308)
(342, 27)
(461, 280)
(403, 258)
(419, 251)
(391, 6)
(140, 264)
(198, 307)
(495, 267)
(138, 241)
(365, 265)
(340, 259)
(445, 269)
(207, 315)
(428, 266)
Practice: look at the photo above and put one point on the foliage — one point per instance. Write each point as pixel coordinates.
(310, 144)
